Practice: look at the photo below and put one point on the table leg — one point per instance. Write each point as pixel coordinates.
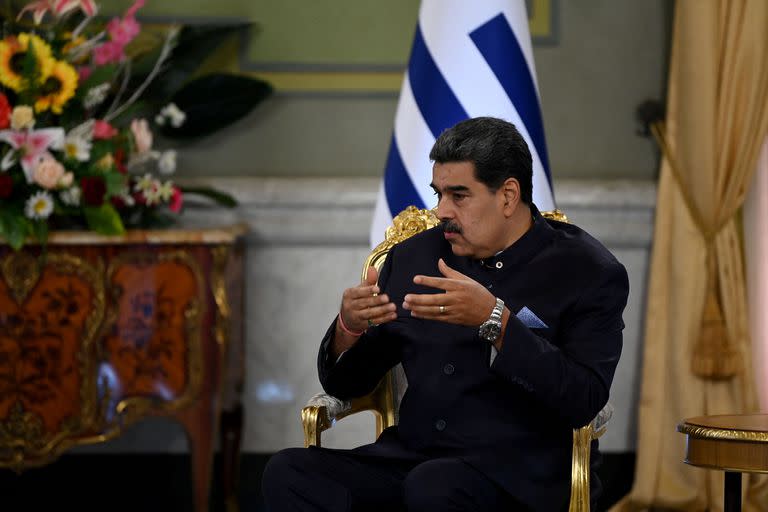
(732, 492)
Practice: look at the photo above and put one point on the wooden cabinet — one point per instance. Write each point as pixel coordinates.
(97, 333)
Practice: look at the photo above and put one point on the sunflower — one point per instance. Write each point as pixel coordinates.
(58, 89)
(13, 52)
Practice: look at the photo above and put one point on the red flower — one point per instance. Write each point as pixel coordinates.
(177, 200)
(117, 202)
(94, 190)
(103, 130)
(119, 157)
(5, 112)
(6, 186)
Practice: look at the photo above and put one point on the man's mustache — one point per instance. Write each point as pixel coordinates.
(451, 227)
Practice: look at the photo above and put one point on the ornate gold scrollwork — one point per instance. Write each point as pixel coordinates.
(21, 271)
(219, 287)
(47, 340)
(722, 434)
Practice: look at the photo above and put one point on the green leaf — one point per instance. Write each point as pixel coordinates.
(194, 45)
(221, 198)
(215, 101)
(115, 183)
(104, 219)
(98, 76)
(14, 228)
(39, 230)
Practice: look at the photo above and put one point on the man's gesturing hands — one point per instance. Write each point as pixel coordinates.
(465, 301)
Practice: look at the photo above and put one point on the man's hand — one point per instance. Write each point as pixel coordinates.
(465, 301)
(361, 308)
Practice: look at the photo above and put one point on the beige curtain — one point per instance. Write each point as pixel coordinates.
(696, 345)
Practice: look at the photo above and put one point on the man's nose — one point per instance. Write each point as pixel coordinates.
(444, 211)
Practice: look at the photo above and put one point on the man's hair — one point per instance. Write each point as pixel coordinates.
(496, 149)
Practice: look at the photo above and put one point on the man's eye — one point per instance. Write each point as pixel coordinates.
(458, 197)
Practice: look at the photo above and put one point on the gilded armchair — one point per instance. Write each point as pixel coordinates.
(323, 411)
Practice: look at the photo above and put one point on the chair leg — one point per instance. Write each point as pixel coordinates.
(230, 439)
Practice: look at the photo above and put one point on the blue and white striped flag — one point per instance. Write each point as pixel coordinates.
(469, 59)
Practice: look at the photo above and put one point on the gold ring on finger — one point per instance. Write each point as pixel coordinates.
(442, 310)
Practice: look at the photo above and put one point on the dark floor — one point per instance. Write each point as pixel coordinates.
(149, 483)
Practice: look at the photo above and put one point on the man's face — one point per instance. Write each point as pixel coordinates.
(474, 218)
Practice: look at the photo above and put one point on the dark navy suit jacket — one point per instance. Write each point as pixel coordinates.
(512, 419)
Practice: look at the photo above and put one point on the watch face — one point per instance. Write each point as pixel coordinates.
(490, 331)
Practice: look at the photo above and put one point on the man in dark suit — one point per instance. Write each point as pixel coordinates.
(509, 329)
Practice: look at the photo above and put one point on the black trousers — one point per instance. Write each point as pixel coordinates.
(318, 479)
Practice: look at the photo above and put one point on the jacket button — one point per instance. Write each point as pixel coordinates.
(440, 425)
(448, 369)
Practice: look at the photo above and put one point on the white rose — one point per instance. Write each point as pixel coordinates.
(167, 162)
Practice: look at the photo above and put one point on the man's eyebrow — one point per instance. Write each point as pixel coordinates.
(451, 188)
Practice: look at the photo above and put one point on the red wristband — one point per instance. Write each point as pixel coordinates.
(345, 329)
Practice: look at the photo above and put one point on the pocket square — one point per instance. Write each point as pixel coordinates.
(530, 319)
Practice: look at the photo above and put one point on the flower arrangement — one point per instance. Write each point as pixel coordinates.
(76, 139)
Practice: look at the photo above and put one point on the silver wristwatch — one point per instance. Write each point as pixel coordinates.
(491, 328)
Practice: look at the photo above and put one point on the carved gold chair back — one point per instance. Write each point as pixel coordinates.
(322, 411)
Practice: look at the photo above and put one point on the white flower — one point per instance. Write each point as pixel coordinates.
(39, 205)
(127, 199)
(96, 95)
(165, 191)
(71, 196)
(152, 196)
(167, 162)
(173, 113)
(77, 147)
(145, 183)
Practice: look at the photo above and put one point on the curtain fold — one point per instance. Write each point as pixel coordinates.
(696, 355)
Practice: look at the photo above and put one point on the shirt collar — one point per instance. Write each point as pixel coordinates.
(524, 247)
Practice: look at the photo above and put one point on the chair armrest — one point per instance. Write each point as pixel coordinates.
(334, 407)
(580, 465)
(599, 424)
(323, 411)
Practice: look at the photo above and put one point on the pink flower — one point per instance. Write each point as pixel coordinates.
(102, 130)
(48, 173)
(64, 6)
(58, 7)
(123, 31)
(107, 53)
(31, 146)
(177, 200)
(141, 135)
(131, 12)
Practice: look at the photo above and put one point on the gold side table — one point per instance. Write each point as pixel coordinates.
(734, 444)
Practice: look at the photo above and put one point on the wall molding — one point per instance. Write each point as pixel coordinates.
(338, 211)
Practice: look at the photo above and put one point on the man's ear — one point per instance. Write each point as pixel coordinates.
(511, 191)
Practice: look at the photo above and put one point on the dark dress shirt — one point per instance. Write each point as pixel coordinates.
(511, 419)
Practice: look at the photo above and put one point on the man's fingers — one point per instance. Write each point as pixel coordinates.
(441, 283)
(369, 302)
(430, 299)
(359, 292)
(371, 276)
(431, 312)
(448, 271)
(383, 319)
(379, 312)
